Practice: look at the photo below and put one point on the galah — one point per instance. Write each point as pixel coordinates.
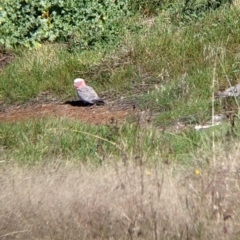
(233, 91)
(86, 93)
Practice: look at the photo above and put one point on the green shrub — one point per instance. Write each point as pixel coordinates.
(83, 23)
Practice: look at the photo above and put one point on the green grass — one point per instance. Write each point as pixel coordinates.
(39, 141)
(49, 68)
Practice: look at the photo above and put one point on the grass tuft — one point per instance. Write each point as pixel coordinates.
(34, 142)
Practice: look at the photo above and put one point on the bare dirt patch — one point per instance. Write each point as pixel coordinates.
(87, 114)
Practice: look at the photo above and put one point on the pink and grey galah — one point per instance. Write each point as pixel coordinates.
(233, 91)
(86, 93)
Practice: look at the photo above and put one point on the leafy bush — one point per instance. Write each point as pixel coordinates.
(85, 23)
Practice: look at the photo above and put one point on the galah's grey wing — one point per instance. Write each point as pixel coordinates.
(88, 95)
(230, 92)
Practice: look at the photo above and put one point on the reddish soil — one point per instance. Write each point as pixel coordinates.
(88, 114)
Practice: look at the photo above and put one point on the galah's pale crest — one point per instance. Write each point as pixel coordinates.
(233, 91)
(86, 93)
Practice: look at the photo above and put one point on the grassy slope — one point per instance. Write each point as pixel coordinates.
(176, 60)
(168, 69)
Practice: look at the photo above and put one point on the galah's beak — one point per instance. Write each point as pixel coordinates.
(78, 84)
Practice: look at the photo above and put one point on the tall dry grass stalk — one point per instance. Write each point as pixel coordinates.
(122, 201)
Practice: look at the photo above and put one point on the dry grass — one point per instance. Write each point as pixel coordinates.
(236, 3)
(122, 202)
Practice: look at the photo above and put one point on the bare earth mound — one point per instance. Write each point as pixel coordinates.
(87, 114)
